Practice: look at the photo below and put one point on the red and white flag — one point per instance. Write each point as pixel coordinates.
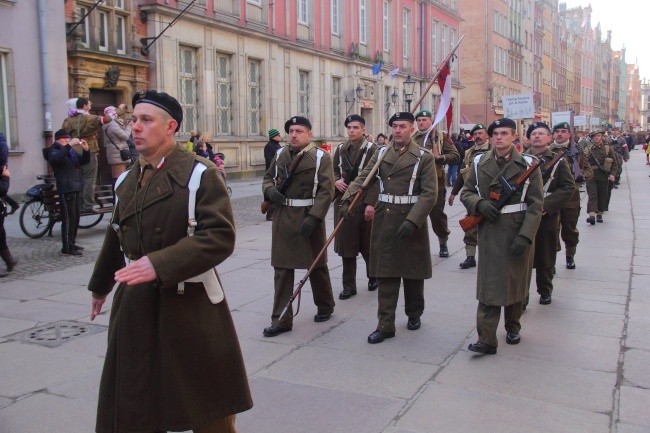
(445, 108)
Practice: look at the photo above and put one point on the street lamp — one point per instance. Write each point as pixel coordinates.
(394, 97)
(409, 87)
(359, 91)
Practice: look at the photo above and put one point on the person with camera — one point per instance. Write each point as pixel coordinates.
(116, 135)
(66, 164)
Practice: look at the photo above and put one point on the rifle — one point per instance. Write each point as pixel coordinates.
(573, 155)
(502, 198)
(286, 181)
(552, 162)
(353, 172)
(357, 195)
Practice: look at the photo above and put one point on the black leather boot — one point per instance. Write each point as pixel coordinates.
(9, 260)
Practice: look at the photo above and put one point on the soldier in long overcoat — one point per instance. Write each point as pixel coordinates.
(604, 164)
(444, 153)
(399, 247)
(299, 222)
(504, 238)
(558, 189)
(581, 171)
(354, 235)
(173, 360)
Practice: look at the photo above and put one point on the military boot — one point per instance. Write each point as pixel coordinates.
(444, 252)
(470, 262)
(570, 263)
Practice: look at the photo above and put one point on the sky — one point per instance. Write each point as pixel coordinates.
(629, 22)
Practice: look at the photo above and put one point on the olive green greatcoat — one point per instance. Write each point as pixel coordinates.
(503, 279)
(391, 257)
(87, 126)
(447, 150)
(290, 249)
(173, 361)
(347, 242)
(558, 194)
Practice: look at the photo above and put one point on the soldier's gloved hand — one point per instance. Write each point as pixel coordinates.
(440, 159)
(308, 225)
(519, 245)
(343, 212)
(406, 229)
(275, 196)
(488, 210)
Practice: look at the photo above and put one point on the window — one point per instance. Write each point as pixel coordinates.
(303, 93)
(443, 40)
(362, 21)
(452, 43)
(254, 97)
(119, 4)
(255, 2)
(336, 106)
(120, 43)
(302, 12)
(434, 43)
(188, 88)
(406, 32)
(222, 85)
(103, 31)
(4, 100)
(335, 17)
(84, 38)
(385, 27)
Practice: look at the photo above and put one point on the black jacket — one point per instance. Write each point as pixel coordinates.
(67, 167)
(270, 150)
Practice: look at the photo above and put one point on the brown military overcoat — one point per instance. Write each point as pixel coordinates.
(290, 249)
(391, 257)
(346, 243)
(447, 150)
(502, 278)
(173, 360)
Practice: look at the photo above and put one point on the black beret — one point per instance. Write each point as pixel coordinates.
(297, 120)
(562, 125)
(501, 123)
(536, 125)
(61, 133)
(355, 118)
(477, 127)
(401, 115)
(160, 100)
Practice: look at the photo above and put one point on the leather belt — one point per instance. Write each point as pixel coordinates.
(398, 199)
(299, 202)
(514, 208)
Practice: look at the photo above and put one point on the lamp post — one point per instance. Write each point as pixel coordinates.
(394, 97)
(409, 87)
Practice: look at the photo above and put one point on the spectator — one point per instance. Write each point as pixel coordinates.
(4, 154)
(207, 139)
(4, 249)
(201, 149)
(116, 134)
(270, 150)
(381, 140)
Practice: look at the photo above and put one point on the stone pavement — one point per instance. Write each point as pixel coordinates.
(582, 366)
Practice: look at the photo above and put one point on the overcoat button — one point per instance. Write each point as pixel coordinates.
(158, 230)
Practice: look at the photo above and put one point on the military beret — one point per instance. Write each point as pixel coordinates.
(537, 125)
(161, 100)
(501, 123)
(61, 133)
(297, 120)
(401, 115)
(562, 125)
(596, 131)
(354, 118)
(273, 133)
(477, 127)
(423, 113)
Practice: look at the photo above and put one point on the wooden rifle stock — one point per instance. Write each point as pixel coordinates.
(353, 173)
(470, 221)
(266, 204)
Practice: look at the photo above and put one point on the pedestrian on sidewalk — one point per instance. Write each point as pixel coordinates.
(66, 164)
(399, 246)
(270, 149)
(173, 361)
(4, 154)
(4, 249)
(505, 237)
(116, 134)
(299, 223)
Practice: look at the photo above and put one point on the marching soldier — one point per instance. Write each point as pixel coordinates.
(504, 237)
(444, 153)
(570, 213)
(481, 145)
(298, 222)
(602, 160)
(618, 143)
(399, 248)
(353, 237)
(559, 188)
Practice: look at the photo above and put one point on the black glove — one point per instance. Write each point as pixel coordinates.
(440, 159)
(275, 196)
(343, 212)
(308, 225)
(488, 210)
(519, 245)
(406, 229)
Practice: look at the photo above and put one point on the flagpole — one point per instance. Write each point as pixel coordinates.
(442, 64)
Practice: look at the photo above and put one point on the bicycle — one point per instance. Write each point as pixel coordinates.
(42, 210)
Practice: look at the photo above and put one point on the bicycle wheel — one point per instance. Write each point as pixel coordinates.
(88, 220)
(34, 219)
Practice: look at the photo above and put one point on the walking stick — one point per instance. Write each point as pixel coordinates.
(357, 195)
